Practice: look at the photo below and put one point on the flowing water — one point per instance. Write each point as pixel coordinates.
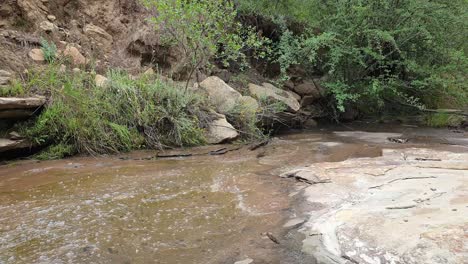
(136, 208)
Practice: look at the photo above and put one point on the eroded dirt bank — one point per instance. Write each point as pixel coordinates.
(232, 207)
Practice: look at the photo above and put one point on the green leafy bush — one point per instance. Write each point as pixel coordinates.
(376, 53)
(204, 30)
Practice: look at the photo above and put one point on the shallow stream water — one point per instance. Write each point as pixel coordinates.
(135, 208)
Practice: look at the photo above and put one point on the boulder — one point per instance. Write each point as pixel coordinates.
(100, 80)
(308, 100)
(271, 92)
(75, 55)
(288, 85)
(36, 55)
(47, 26)
(4, 77)
(248, 104)
(51, 18)
(98, 35)
(149, 72)
(296, 96)
(220, 131)
(221, 95)
(307, 88)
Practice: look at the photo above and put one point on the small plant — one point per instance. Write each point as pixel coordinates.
(49, 50)
(15, 88)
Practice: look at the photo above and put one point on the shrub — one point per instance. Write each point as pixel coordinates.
(444, 120)
(377, 53)
(126, 114)
(204, 30)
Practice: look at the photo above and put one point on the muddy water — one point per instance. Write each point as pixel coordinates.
(199, 209)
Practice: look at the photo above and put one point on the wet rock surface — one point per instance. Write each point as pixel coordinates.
(407, 206)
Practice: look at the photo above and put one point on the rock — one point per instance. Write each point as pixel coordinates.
(19, 108)
(100, 80)
(221, 95)
(248, 104)
(289, 85)
(62, 68)
(149, 72)
(21, 103)
(51, 18)
(4, 77)
(308, 100)
(75, 55)
(307, 88)
(220, 131)
(245, 261)
(310, 123)
(15, 136)
(7, 145)
(296, 96)
(380, 210)
(47, 26)
(224, 75)
(36, 55)
(76, 70)
(99, 35)
(295, 222)
(271, 92)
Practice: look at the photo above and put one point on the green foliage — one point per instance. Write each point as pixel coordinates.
(13, 89)
(252, 121)
(49, 50)
(203, 30)
(123, 115)
(377, 52)
(444, 120)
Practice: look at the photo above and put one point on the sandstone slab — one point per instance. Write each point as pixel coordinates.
(407, 206)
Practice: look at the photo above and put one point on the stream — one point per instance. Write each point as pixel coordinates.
(135, 208)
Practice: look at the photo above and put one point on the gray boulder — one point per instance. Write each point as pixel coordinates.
(221, 95)
(220, 131)
(308, 88)
(269, 91)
